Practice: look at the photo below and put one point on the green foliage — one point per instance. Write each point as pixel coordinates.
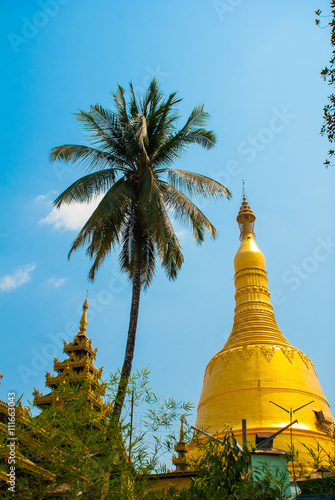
(156, 424)
(222, 474)
(318, 488)
(219, 469)
(263, 485)
(328, 75)
(318, 470)
(87, 451)
(89, 454)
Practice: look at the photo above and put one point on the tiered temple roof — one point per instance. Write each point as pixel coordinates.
(77, 368)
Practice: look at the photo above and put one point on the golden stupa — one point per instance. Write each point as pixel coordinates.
(258, 375)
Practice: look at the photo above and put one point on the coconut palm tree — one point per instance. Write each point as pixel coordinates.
(129, 160)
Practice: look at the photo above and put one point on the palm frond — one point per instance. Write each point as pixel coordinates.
(157, 225)
(187, 212)
(103, 239)
(151, 97)
(89, 158)
(96, 132)
(197, 118)
(121, 105)
(111, 210)
(197, 185)
(167, 243)
(133, 106)
(100, 136)
(148, 260)
(201, 136)
(174, 147)
(160, 122)
(85, 188)
(106, 120)
(134, 231)
(145, 187)
(126, 243)
(127, 138)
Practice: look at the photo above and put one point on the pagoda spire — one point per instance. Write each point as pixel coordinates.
(254, 320)
(83, 320)
(180, 461)
(245, 218)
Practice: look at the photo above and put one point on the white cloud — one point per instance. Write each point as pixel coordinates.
(71, 217)
(56, 282)
(181, 232)
(21, 276)
(44, 197)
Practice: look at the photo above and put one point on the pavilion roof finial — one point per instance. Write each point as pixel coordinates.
(83, 320)
(181, 461)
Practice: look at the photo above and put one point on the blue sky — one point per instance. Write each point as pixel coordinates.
(256, 67)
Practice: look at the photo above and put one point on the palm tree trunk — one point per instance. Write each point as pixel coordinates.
(129, 354)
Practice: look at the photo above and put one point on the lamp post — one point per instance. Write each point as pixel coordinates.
(291, 412)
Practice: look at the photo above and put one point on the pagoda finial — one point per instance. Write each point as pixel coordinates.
(83, 320)
(245, 217)
(182, 431)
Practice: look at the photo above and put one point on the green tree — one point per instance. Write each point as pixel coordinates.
(129, 160)
(219, 469)
(219, 473)
(71, 452)
(76, 450)
(328, 75)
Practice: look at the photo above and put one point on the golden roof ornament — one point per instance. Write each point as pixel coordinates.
(83, 320)
(180, 461)
(245, 218)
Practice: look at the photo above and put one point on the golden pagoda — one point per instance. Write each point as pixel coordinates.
(258, 375)
(78, 368)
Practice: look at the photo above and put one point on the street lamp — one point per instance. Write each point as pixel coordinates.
(291, 412)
